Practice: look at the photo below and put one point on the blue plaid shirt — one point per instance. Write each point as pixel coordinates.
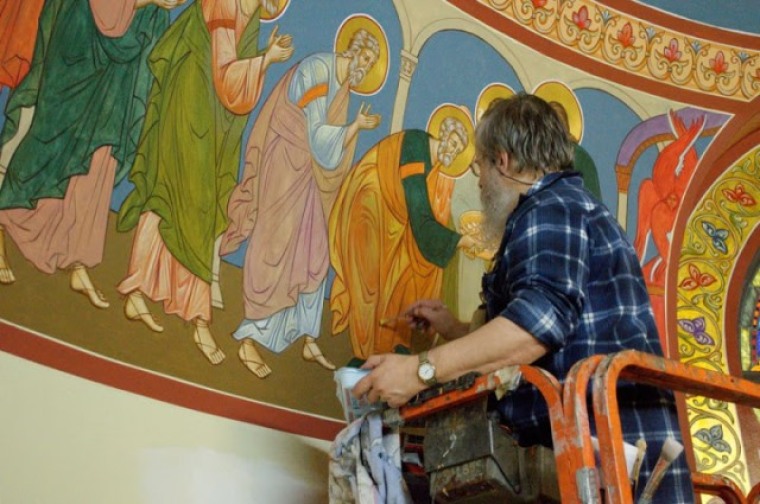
(567, 274)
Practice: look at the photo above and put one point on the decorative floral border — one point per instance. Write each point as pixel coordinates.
(638, 46)
(717, 230)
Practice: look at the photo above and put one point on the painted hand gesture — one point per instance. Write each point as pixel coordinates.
(365, 120)
(279, 48)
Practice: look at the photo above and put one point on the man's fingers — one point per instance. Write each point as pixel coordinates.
(273, 36)
(372, 362)
(362, 386)
(373, 396)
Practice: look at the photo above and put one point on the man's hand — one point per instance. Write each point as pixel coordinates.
(279, 48)
(393, 379)
(433, 315)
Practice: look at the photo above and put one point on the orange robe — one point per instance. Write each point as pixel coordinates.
(18, 31)
(379, 268)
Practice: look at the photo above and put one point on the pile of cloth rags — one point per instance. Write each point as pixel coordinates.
(365, 464)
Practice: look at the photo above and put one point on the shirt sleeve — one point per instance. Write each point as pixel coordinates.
(547, 271)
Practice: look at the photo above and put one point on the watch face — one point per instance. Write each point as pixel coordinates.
(426, 371)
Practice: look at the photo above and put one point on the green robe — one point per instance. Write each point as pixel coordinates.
(88, 91)
(189, 152)
(436, 242)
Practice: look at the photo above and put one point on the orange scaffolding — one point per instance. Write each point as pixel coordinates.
(579, 476)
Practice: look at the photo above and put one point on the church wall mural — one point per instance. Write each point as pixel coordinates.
(217, 202)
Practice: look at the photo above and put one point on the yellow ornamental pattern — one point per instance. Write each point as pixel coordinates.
(715, 233)
(637, 46)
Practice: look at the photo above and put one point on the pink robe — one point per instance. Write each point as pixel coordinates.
(282, 205)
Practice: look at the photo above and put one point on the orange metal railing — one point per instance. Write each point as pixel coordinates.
(578, 475)
(660, 372)
(719, 486)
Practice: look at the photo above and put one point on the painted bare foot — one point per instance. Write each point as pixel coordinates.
(80, 282)
(206, 342)
(136, 309)
(6, 273)
(251, 358)
(312, 353)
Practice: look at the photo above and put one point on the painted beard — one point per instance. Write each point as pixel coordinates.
(356, 74)
(444, 157)
(270, 6)
(498, 204)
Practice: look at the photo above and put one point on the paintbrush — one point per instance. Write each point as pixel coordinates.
(671, 449)
(641, 449)
(417, 323)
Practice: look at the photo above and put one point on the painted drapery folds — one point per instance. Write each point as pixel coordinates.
(383, 259)
(88, 91)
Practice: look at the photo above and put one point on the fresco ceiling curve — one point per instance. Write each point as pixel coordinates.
(615, 45)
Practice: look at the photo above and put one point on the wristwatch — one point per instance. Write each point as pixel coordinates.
(426, 370)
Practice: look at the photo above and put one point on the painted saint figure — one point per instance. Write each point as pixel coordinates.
(389, 239)
(582, 160)
(71, 129)
(300, 150)
(208, 73)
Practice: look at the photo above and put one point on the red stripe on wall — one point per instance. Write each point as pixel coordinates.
(51, 353)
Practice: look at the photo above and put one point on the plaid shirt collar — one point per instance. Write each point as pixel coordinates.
(544, 182)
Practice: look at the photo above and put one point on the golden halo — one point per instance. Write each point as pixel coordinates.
(282, 5)
(462, 162)
(375, 79)
(553, 91)
(490, 93)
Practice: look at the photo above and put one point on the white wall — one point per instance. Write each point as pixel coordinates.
(66, 440)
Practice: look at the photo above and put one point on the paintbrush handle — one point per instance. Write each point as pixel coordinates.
(671, 449)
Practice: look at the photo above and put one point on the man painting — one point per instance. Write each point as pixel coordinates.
(209, 73)
(389, 239)
(86, 92)
(566, 285)
(299, 152)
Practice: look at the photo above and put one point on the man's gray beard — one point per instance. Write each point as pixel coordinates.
(271, 6)
(498, 204)
(355, 74)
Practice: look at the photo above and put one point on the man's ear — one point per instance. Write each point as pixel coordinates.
(502, 163)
